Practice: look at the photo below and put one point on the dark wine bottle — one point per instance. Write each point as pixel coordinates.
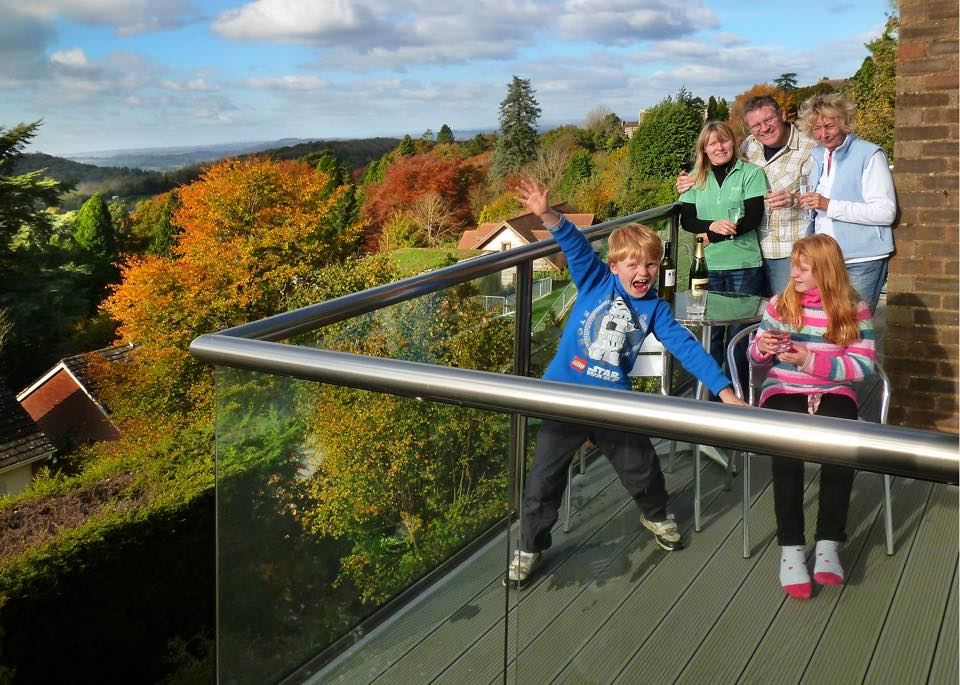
(699, 277)
(666, 285)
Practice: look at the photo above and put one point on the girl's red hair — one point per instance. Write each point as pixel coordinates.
(839, 298)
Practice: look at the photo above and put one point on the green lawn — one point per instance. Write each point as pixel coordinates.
(415, 260)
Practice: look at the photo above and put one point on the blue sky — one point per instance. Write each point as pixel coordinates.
(118, 74)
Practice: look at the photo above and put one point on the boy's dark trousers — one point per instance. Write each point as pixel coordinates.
(631, 454)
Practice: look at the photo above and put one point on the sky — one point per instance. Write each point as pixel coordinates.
(123, 74)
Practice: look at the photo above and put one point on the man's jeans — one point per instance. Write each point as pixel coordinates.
(776, 272)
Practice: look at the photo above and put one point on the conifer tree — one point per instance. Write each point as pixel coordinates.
(405, 149)
(94, 228)
(445, 135)
(517, 141)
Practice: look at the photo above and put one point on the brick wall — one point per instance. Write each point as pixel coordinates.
(921, 348)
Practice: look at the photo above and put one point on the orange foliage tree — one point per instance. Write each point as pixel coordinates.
(736, 111)
(409, 178)
(254, 232)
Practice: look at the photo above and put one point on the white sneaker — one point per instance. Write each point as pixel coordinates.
(522, 566)
(666, 532)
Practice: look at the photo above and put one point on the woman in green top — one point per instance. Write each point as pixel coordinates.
(725, 206)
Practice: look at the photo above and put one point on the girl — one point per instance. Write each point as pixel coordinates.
(830, 347)
(724, 188)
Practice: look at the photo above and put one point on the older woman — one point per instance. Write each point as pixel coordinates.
(724, 188)
(853, 192)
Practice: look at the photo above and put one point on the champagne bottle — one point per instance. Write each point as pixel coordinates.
(668, 275)
(698, 269)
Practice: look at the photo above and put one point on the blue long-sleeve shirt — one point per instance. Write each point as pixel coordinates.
(607, 326)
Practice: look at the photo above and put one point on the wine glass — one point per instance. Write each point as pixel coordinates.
(804, 189)
(734, 214)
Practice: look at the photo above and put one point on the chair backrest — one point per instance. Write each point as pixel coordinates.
(652, 362)
(758, 374)
(649, 358)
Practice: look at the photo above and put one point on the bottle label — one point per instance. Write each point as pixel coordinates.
(670, 278)
(699, 284)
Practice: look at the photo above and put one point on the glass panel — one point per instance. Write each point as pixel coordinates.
(338, 509)
(360, 534)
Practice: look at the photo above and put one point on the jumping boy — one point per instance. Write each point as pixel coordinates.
(617, 306)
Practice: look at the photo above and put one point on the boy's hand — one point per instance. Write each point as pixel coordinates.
(728, 396)
(535, 200)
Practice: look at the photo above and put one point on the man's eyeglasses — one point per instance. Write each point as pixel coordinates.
(769, 121)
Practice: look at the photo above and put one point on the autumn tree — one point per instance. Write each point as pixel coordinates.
(151, 224)
(254, 232)
(517, 141)
(408, 178)
(736, 112)
(873, 89)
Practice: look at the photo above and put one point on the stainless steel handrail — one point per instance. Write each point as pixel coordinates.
(288, 324)
(909, 452)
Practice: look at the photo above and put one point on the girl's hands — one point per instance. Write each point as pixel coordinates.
(796, 356)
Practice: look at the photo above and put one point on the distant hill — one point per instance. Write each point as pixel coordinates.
(170, 158)
(134, 183)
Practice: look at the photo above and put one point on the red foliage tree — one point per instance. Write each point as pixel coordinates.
(409, 178)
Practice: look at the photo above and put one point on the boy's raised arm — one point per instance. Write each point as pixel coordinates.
(535, 200)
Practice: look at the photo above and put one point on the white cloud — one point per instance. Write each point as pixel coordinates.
(288, 83)
(624, 22)
(127, 17)
(74, 58)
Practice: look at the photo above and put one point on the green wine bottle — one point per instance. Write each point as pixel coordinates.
(666, 285)
(699, 276)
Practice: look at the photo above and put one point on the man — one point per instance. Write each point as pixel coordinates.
(783, 152)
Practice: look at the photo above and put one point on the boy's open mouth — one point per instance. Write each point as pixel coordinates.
(641, 283)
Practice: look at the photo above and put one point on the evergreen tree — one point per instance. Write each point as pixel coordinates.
(723, 110)
(94, 228)
(24, 199)
(405, 149)
(517, 142)
(445, 135)
(786, 81)
(712, 109)
(664, 140)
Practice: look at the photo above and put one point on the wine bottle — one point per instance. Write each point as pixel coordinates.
(667, 282)
(699, 277)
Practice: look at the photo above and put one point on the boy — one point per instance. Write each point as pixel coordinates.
(616, 308)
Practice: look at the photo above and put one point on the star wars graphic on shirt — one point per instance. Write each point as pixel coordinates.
(605, 333)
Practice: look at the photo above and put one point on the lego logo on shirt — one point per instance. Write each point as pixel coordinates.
(578, 364)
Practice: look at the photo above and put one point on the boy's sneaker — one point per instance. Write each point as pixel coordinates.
(522, 566)
(666, 532)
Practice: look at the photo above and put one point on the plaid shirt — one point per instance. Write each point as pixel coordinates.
(781, 229)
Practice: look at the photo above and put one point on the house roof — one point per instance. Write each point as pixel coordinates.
(21, 440)
(528, 226)
(77, 366)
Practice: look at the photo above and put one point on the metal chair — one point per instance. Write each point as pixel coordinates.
(756, 375)
(650, 362)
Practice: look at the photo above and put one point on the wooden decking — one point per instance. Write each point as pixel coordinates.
(609, 606)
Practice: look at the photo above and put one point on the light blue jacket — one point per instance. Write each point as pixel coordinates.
(856, 240)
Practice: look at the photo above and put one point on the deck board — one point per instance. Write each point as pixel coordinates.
(609, 599)
(930, 562)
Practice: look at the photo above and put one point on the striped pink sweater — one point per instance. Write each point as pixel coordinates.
(832, 369)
